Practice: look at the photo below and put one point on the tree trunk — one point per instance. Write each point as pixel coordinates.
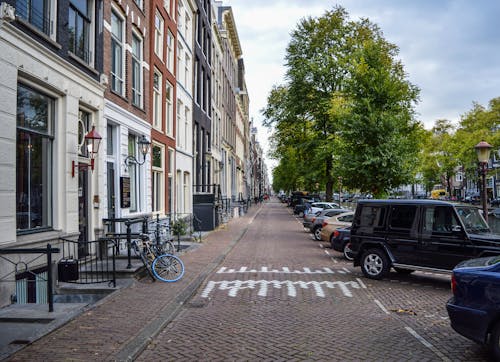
(329, 180)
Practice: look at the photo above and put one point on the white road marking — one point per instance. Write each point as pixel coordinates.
(326, 252)
(381, 306)
(283, 270)
(233, 286)
(419, 337)
(361, 283)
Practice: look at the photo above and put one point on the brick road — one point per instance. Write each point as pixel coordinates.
(267, 291)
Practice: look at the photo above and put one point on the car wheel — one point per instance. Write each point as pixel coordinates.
(346, 250)
(317, 233)
(495, 342)
(374, 264)
(404, 271)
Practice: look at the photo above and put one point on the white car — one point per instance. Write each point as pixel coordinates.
(318, 206)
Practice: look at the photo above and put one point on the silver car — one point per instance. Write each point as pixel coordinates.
(314, 222)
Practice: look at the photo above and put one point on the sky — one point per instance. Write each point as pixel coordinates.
(450, 49)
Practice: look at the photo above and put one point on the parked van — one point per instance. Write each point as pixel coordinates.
(410, 235)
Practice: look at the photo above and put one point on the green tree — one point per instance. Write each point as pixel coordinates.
(347, 106)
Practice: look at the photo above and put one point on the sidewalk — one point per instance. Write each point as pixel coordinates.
(119, 326)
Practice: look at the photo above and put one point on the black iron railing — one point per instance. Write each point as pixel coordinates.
(28, 267)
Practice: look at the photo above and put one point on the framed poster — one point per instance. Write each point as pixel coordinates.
(124, 192)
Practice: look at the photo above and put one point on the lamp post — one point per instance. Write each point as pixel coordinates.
(144, 145)
(483, 150)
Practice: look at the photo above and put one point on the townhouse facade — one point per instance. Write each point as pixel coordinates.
(113, 110)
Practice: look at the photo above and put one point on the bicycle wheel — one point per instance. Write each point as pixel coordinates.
(168, 268)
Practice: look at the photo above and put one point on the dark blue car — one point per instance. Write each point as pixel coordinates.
(474, 309)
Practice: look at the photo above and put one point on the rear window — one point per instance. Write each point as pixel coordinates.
(372, 216)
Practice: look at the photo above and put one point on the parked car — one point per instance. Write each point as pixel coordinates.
(301, 207)
(474, 309)
(318, 206)
(418, 234)
(473, 198)
(334, 222)
(315, 221)
(495, 202)
(341, 241)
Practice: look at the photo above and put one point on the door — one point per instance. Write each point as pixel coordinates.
(83, 212)
(402, 235)
(111, 195)
(441, 247)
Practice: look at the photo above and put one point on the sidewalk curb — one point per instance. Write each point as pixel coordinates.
(134, 347)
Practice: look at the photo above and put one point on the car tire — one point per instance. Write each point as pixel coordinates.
(494, 342)
(346, 250)
(374, 264)
(404, 271)
(317, 234)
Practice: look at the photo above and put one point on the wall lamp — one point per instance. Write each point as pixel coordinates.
(144, 145)
(92, 140)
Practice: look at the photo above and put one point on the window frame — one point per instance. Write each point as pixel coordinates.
(158, 181)
(159, 31)
(157, 100)
(118, 78)
(169, 108)
(138, 59)
(90, 38)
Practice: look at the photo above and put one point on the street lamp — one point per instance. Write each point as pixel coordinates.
(144, 145)
(483, 150)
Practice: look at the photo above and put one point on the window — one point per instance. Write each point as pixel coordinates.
(187, 26)
(35, 117)
(170, 52)
(179, 62)
(187, 63)
(157, 103)
(179, 119)
(117, 57)
(133, 171)
(439, 219)
(403, 216)
(180, 13)
(136, 70)
(110, 147)
(80, 29)
(84, 123)
(166, 5)
(38, 13)
(171, 168)
(159, 35)
(169, 99)
(157, 179)
(138, 3)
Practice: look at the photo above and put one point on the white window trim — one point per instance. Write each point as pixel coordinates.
(161, 170)
(122, 76)
(160, 33)
(158, 105)
(141, 67)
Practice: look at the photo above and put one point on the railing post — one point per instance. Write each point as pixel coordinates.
(50, 293)
(115, 248)
(157, 235)
(129, 245)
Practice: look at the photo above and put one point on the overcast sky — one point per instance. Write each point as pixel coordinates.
(450, 48)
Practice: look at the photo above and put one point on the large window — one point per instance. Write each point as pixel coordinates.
(137, 70)
(157, 102)
(158, 183)
(169, 99)
(84, 122)
(117, 56)
(80, 29)
(170, 52)
(35, 117)
(159, 35)
(36, 12)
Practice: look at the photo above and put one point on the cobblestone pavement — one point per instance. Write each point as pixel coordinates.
(263, 289)
(279, 296)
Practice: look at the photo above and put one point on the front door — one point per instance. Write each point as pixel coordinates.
(83, 212)
(111, 195)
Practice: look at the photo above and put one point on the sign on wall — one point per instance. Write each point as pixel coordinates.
(124, 192)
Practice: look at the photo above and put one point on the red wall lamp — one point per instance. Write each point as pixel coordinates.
(92, 140)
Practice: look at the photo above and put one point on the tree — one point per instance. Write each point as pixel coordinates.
(351, 100)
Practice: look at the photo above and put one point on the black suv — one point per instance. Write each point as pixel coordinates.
(418, 234)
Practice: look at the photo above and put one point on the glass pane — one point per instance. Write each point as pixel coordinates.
(33, 109)
(82, 6)
(110, 148)
(136, 47)
(157, 157)
(116, 26)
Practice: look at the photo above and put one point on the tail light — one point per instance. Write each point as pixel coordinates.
(336, 233)
(313, 219)
(324, 224)
(453, 284)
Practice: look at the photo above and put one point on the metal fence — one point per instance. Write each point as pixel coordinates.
(96, 265)
(32, 277)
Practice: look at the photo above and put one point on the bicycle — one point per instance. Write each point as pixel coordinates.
(161, 235)
(164, 267)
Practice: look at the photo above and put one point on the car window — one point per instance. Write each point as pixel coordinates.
(346, 218)
(439, 219)
(372, 216)
(472, 220)
(403, 216)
